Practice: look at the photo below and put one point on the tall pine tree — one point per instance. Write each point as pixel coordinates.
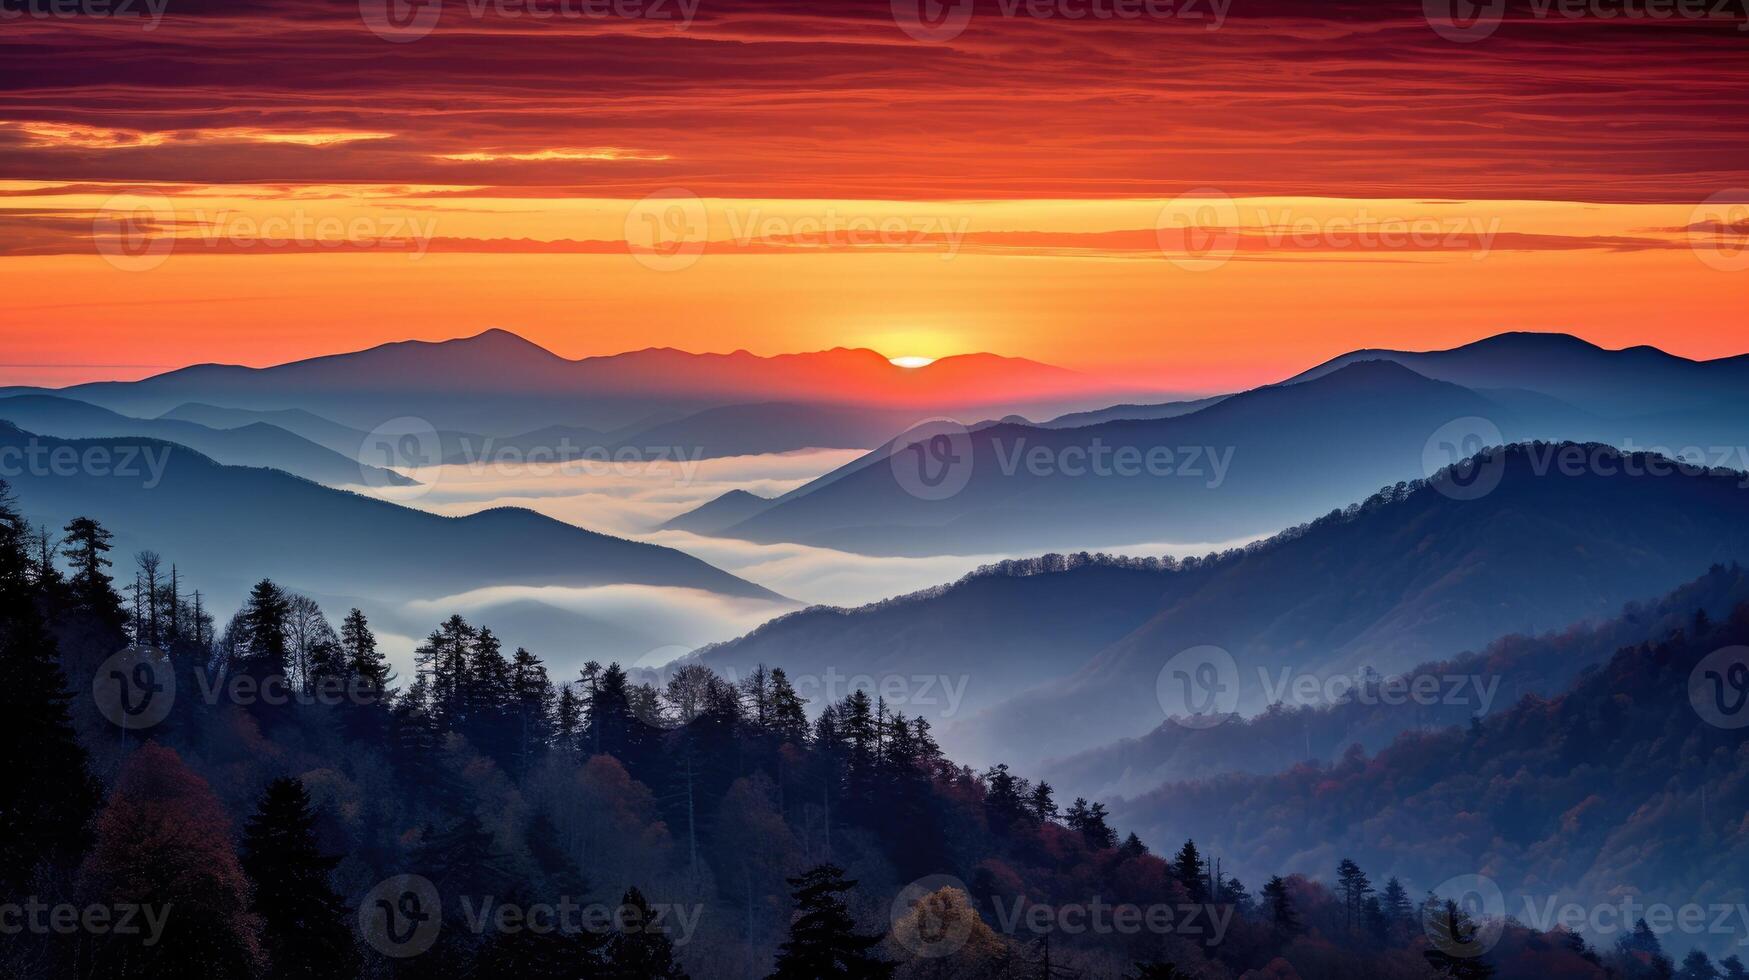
(823, 941)
(304, 923)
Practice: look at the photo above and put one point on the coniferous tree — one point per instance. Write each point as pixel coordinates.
(823, 941)
(304, 923)
(1281, 907)
(1394, 902)
(1731, 968)
(90, 588)
(1187, 870)
(1452, 933)
(48, 796)
(640, 948)
(532, 704)
(1697, 965)
(789, 716)
(1041, 803)
(265, 622)
(1352, 883)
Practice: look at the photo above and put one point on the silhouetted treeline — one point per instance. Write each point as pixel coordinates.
(295, 777)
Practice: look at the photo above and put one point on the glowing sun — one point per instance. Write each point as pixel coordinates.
(911, 361)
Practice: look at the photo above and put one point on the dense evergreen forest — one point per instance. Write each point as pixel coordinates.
(265, 799)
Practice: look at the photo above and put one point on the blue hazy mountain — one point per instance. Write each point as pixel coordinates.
(714, 515)
(255, 443)
(235, 524)
(1632, 781)
(1633, 382)
(343, 439)
(1410, 575)
(1241, 467)
(1376, 710)
(497, 383)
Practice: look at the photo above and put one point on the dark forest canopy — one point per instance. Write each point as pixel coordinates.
(301, 812)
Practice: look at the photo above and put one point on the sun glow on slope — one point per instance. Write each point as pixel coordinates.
(911, 361)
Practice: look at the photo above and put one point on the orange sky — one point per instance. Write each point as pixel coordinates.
(1192, 201)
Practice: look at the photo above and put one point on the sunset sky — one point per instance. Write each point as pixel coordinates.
(1203, 195)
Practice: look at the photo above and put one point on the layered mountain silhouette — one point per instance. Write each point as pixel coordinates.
(726, 511)
(1632, 383)
(253, 443)
(1240, 467)
(499, 384)
(1290, 450)
(1377, 709)
(1632, 782)
(1412, 574)
(231, 525)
